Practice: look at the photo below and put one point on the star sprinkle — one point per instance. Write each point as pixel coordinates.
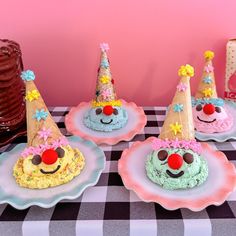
(104, 64)
(207, 80)
(32, 95)
(44, 133)
(40, 114)
(106, 93)
(178, 107)
(27, 75)
(209, 68)
(208, 92)
(182, 87)
(104, 47)
(104, 79)
(176, 128)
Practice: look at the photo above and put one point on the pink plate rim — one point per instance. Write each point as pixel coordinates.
(142, 120)
(216, 199)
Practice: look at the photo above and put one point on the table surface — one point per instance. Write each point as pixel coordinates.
(110, 209)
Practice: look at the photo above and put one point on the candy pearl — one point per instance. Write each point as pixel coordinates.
(49, 156)
(175, 161)
(209, 109)
(108, 110)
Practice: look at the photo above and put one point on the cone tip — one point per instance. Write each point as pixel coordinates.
(209, 55)
(104, 47)
(186, 70)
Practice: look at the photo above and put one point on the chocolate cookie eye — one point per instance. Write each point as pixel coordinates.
(36, 160)
(162, 155)
(115, 111)
(98, 111)
(199, 107)
(218, 109)
(60, 152)
(188, 158)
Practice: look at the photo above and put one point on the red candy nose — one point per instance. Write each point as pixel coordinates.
(175, 161)
(209, 109)
(108, 110)
(49, 156)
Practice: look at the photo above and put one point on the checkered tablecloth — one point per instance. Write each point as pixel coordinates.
(110, 209)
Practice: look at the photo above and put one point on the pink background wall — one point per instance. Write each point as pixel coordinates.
(149, 40)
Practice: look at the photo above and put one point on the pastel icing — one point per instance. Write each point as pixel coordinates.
(102, 122)
(31, 172)
(214, 123)
(194, 174)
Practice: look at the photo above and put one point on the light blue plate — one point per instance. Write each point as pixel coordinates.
(224, 136)
(21, 198)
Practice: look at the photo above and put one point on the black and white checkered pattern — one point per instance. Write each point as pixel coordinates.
(110, 209)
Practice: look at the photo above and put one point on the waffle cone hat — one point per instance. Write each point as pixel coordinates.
(207, 85)
(105, 91)
(179, 120)
(40, 124)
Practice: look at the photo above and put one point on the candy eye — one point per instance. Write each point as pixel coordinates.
(115, 111)
(218, 109)
(188, 158)
(60, 152)
(162, 155)
(98, 111)
(36, 160)
(199, 107)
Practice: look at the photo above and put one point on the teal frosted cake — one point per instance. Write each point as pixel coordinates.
(176, 161)
(107, 112)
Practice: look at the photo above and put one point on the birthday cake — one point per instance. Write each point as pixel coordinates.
(48, 160)
(176, 161)
(106, 113)
(209, 112)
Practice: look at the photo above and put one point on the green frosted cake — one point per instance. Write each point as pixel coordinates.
(176, 161)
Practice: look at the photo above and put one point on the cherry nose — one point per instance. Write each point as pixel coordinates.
(108, 110)
(175, 161)
(49, 157)
(209, 109)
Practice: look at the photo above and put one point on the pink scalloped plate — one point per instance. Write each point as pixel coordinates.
(220, 183)
(136, 122)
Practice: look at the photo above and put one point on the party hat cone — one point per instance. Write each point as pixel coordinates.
(179, 120)
(207, 86)
(41, 127)
(105, 91)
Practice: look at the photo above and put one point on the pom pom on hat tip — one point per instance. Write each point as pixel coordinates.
(186, 70)
(104, 47)
(209, 55)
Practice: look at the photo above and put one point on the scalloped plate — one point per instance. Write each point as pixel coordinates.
(21, 198)
(224, 136)
(136, 122)
(220, 183)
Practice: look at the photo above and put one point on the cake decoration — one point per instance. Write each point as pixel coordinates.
(176, 161)
(48, 160)
(209, 111)
(106, 113)
(32, 95)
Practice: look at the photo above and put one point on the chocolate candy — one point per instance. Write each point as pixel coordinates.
(36, 160)
(162, 155)
(60, 152)
(188, 158)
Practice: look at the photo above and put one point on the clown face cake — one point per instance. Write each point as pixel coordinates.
(177, 168)
(106, 118)
(106, 113)
(176, 161)
(211, 116)
(48, 160)
(209, 112)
